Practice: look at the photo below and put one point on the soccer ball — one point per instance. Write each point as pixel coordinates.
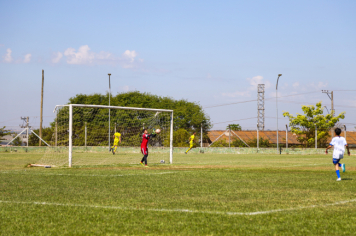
(162, 162)
(158, 131)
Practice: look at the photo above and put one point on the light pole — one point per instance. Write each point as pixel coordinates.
(109, 108)
(279, 75)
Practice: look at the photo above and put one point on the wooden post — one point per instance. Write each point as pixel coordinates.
(41, 116)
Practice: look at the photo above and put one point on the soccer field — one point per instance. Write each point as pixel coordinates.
(200, 194)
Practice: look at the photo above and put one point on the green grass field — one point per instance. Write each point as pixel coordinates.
(201, 194)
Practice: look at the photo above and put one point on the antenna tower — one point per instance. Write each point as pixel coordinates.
(261, 106)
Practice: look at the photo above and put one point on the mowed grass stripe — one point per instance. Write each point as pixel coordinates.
(81, 175)
(182, 210)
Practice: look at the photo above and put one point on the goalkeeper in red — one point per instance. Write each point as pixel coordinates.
(144, 145)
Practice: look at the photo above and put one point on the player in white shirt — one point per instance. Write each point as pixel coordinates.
(339, 144)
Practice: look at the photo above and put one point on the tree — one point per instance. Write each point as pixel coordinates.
(304, 125)
(47, 134)
(187, 115)
(235, 127)
(4, 132)
(17, 141)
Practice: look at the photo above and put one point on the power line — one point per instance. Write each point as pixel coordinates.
(234, 120)
(255, 100)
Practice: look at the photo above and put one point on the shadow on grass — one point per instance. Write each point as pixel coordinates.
(346, 179)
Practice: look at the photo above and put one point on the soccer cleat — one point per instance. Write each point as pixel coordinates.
(343, 167)
(186, 153)
(146, 165)
(113, 153)
(339, 179)
(110, 149)
(141, 163)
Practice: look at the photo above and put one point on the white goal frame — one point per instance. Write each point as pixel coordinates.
(118, 108)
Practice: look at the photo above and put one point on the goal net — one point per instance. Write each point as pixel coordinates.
(83, 135)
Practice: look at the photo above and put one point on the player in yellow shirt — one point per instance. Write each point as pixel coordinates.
(117, 139)
(191, 142)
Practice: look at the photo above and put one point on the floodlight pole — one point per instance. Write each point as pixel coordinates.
(279, 75)
(201, 135)
(109, 108)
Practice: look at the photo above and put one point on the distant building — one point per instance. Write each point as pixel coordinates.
(248, 135)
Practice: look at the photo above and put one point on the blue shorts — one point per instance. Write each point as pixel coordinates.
(336, 161)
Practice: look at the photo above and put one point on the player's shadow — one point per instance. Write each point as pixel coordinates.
(346, 179)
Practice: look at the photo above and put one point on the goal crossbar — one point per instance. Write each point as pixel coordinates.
(112, 107)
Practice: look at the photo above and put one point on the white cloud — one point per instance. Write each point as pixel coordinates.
(83, 56)
(8, 57)
(86, 57)
(128, 59)
(296, 85)
(126, 88)
(27, 58)
(57, 57)
(254, 81)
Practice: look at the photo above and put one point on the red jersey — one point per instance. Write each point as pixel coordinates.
(145, 139)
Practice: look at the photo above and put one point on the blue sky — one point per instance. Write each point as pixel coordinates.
(211, 52)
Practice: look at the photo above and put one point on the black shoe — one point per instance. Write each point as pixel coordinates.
(110, 149)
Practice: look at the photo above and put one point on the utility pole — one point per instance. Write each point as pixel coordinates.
(279, 75)
(229, 135)
(258, 137)
(41, 116)
(201, 135)
(109, 108)
(286, 136)
(331, 96)
(27, 126)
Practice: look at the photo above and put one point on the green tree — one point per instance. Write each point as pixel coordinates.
(187, 115)
(4, 132)
(47, 134)
(235, 127)
(17, 141)
(304, 125)
(220, 143)
(262, 142)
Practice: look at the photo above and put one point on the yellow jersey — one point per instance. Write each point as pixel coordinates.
(192, 138)
(117, 135)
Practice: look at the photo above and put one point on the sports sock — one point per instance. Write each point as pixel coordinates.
(145, 158)
(115, 148)
(338, 173)
(340, 164)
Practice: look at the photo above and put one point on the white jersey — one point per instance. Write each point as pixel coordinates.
(339, 144)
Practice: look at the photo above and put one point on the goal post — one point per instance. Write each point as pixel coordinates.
(83, 130)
